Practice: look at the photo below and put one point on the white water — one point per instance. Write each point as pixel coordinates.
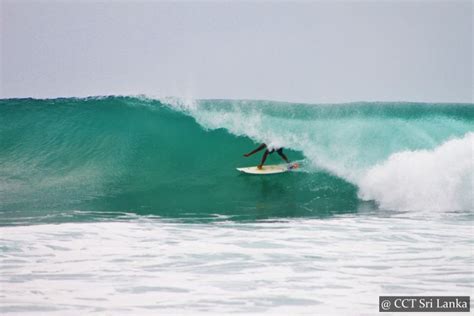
(336, 266)
(435, 180)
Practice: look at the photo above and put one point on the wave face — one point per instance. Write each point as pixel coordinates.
(73, 159)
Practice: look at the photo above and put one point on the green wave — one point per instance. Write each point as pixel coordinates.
(82, 159)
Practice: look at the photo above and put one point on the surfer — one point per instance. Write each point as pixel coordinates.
(266, 153)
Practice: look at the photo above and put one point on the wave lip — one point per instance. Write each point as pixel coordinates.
(434, 180)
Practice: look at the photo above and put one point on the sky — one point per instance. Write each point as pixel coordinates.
(300, 51)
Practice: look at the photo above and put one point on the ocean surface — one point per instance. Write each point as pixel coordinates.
(132, 205)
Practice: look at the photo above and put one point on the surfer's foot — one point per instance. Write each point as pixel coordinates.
(259, 167)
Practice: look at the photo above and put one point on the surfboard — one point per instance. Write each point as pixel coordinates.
(269, 169)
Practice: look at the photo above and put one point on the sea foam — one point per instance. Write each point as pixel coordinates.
(437, 180)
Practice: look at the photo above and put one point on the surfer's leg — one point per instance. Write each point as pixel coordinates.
(264, 157)
(256, 150)
(282, 155)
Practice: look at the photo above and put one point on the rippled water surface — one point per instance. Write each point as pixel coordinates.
(338, 265)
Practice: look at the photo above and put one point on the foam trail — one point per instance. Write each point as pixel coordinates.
(436, 180)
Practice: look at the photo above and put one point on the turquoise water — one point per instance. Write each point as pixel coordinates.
(176, 158)
(132, 206)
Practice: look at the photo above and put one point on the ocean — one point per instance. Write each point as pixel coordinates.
(132, 205)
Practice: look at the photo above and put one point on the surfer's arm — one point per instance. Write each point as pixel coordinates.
(262, 146)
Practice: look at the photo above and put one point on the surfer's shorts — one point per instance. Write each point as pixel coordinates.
(279, 150)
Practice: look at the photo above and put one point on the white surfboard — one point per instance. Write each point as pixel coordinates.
(269, 169)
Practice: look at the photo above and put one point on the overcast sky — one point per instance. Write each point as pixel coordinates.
(308, 51)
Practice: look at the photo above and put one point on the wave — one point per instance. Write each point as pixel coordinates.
(393, 152)
(177, 158)
(436, 180)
